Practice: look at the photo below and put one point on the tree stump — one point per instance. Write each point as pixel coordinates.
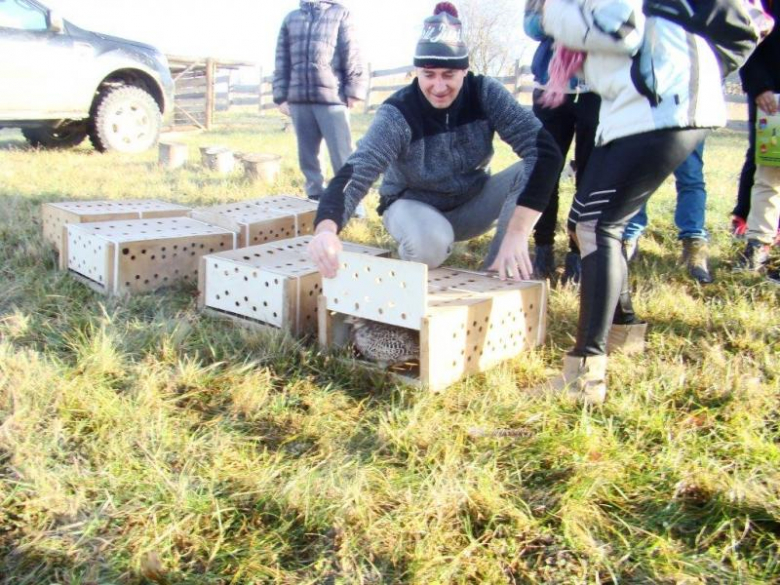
(218, 158)
(264, 168)
(172, 155)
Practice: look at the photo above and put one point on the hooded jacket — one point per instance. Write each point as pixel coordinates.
(317, 57)
(651, 74)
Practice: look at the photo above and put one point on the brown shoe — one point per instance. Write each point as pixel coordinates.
(628, 339)
(695, 256)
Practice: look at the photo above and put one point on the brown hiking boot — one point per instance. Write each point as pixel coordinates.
(627, 339)
(695, 256)
(583, 379)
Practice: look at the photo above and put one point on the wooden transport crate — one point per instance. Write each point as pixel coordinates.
(274, 284)
(467, 321)
(58, 215)
(259, 221)
(140, 255)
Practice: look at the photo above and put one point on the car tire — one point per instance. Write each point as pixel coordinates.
(67, 135)
(126, 119)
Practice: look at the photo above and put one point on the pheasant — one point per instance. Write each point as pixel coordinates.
(387, 345)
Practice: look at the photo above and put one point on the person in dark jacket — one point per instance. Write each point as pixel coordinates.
(576, 118)
(318, 76)
(760, 76)
(433, 140)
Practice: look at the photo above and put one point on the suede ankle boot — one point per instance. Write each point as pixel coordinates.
(628, 339)
(695, 256)
(583, 379)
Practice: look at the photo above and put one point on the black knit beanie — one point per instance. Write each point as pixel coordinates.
(441, 43)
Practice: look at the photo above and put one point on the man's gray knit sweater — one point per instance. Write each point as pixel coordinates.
(441, 156)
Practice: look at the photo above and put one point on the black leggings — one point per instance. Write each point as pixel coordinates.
(619, 179)
(577, 116)
(742, 208)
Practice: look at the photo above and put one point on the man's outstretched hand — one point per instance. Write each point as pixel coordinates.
(325, 247)
(513, 260)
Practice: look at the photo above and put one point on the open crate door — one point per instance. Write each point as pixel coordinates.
(379, 289)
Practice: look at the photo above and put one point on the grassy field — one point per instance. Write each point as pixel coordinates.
(141, 441)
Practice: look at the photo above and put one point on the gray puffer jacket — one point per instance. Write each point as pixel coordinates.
(317, 57)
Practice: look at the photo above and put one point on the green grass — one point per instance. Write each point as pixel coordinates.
(140, 440)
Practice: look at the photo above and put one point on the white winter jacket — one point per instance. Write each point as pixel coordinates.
(650, 73)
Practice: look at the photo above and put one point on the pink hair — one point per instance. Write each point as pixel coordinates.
(565, 64)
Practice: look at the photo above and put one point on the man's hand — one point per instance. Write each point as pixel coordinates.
(513, 260)
(284, 108)
(352, 102)
(324, 248)
(767, 102)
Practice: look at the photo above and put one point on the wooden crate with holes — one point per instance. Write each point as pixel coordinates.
(259, 221)
(467, 321)
(140, 255)
(56, 216)
(274, 284)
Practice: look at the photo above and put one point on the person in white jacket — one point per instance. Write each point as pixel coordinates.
(660, 90)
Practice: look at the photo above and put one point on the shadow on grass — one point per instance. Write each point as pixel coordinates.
(707, 523)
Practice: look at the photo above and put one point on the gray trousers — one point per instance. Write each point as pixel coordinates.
(425, 234)
(312, 123)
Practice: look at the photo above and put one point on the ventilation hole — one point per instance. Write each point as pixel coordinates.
(125, 251)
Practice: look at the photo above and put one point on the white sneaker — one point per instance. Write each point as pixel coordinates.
(360, 211)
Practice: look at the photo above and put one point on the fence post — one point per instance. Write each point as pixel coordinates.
(368, 91)
(260, 98)
(209, 92)
(518, 81)
(229, 88)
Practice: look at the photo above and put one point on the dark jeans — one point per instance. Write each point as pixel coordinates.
(577, 116)
(742, 208)
(618, 181)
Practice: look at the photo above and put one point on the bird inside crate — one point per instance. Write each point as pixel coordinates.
(389, 346)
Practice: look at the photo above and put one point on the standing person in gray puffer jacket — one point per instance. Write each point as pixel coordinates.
(319, 75)
(433, 140)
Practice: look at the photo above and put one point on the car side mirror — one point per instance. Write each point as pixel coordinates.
(56, 22)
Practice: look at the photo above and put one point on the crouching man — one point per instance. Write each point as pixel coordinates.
(433, 140)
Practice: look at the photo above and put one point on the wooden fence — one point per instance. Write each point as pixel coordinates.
(383, 82)
(391, 80)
